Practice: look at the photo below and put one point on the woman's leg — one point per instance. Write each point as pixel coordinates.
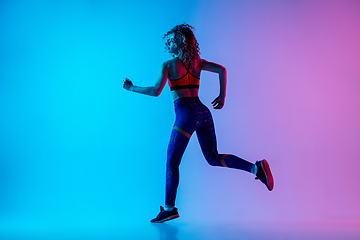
(178, 141)
(207, 140)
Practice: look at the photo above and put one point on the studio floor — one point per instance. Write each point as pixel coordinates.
(179, 230)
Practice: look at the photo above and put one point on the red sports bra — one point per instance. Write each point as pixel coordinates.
(187, 81)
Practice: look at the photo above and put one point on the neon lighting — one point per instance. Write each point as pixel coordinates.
(223, 161)
(182, 131)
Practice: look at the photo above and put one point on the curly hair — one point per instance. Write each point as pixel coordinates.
(184, 38)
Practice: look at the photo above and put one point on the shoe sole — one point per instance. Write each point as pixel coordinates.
(168, 218)
(269, 178)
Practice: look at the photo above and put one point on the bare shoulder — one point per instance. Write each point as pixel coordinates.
(170, 66)
(211, 66)
(170, 63)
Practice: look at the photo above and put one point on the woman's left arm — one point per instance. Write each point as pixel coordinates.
(153, 90)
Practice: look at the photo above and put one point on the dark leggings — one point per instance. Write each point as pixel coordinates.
(192, 115)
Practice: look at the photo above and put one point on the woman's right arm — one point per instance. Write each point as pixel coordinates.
(219, 102)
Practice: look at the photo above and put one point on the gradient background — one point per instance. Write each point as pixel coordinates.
(79, 152)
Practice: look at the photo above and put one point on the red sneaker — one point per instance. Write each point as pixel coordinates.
(264, 174)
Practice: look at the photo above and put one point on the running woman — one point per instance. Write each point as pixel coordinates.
(183, 76)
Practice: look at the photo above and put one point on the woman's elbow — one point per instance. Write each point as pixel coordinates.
(157, 92)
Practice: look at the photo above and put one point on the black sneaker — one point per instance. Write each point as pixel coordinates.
(264, 174)
(164, 216)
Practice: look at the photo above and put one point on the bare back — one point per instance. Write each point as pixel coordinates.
(176, 69)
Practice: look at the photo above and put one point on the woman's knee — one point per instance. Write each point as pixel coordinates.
(213, 160)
